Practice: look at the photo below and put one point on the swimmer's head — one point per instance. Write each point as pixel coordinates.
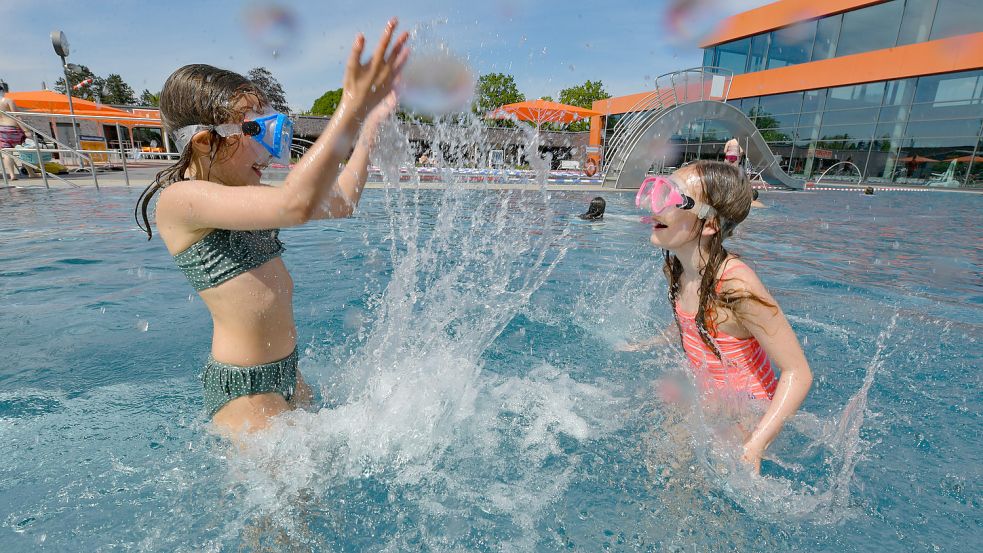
(4, 88)
(869, 191)
(595, 211)
(722, 186)
(754, 194)
(200, 94)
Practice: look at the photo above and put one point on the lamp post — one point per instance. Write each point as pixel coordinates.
(60, 43)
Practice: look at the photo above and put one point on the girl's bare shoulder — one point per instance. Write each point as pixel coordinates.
(736, 276)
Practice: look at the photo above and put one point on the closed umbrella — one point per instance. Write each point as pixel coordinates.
(966, 159)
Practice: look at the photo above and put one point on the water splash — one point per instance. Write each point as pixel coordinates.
(414, 423)
(836, 444)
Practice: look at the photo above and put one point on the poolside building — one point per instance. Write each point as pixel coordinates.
(893, 87)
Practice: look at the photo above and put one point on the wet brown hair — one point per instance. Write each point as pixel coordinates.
(726, 188)
(196, 94)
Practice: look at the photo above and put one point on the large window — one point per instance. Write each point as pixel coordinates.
(910, 131)
(916, 26)
(855, 96)
(871, 28)
(782, 103)
(791, 45)
(733, 55)
(827, 34)
(957, 17)
(949, 96)
(759, 52)
(874, 27)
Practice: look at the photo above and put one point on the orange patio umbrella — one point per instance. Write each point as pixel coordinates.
(966, 159)
(542, 111)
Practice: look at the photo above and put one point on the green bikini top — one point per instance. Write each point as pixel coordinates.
(224, 254)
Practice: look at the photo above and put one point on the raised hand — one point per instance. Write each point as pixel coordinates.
(365, 85)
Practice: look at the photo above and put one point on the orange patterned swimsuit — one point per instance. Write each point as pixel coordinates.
(744, 368)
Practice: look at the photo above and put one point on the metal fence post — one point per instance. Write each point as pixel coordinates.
(92, 167)
(3, 169)
(37, 148)
(122, 154)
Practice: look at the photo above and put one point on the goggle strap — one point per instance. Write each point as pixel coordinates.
(705, 211)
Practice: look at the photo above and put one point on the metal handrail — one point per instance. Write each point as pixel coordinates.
(85, 155)
(37, 133)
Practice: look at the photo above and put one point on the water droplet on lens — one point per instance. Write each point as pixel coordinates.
(688, 21)
(271, 26)
(436, 82)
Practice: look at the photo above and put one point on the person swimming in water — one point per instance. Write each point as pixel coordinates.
(595, 212)
(731, 328)
(221, 224)
(755, 202)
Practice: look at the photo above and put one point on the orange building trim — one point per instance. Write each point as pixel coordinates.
(947, 55)
(779, 14)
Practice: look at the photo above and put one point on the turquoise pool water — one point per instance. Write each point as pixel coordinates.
(472, 396)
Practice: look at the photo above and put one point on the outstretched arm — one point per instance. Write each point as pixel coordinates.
(345, 194)
(770, 327)
(204, 204)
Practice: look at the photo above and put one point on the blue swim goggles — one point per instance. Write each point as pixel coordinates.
(273, 131)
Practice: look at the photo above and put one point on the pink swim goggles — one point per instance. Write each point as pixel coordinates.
(662, 193)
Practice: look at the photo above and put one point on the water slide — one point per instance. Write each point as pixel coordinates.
(630, 162)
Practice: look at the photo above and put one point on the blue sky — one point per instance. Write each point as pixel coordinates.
(547, 46)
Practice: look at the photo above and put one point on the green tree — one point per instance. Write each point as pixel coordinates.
(116, 91)
(79, 74)
(262, 78)
(327, 103)
(583, 96)
(494, 90)
(149, 99)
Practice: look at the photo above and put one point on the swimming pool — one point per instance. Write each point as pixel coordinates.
(473, 398)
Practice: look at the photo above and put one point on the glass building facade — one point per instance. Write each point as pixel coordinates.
(926, 129)
(885, 25)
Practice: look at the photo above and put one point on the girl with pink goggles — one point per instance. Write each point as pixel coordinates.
(662, 193)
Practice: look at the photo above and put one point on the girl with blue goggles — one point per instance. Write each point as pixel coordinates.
(273, 131)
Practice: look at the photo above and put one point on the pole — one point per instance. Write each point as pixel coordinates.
(122, 154)
(71, 107)
(37, 149)
(3, 169)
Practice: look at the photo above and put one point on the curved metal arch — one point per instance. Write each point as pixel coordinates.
(637, 160)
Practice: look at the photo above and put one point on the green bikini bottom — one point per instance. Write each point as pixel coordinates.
(224, 382)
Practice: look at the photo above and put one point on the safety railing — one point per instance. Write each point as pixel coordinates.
(84, 157)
